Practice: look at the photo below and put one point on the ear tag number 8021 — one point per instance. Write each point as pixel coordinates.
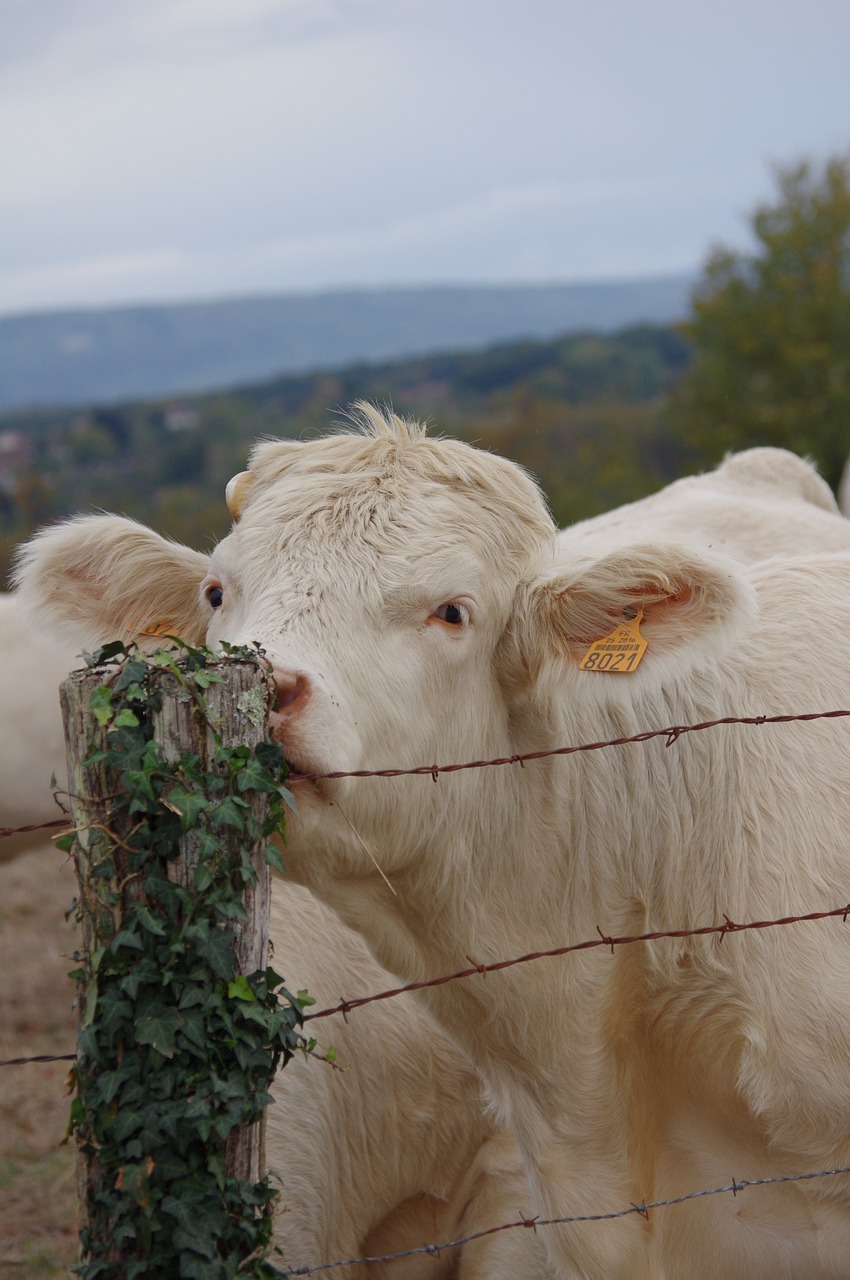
(620, 651)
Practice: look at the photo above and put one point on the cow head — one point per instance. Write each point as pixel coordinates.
(405, 590)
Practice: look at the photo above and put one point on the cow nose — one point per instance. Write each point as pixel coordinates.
(293, 689)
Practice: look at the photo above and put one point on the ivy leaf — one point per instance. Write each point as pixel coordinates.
(149, 921)
(188, 805)
(126, 938)
(214, 945)
(288, 798)
(100, 704)
(126, 719)
(255, 777)
(274, 859)
(240, 989)
(230, 813)
(204, 877)
(105, 653)
(130, 677)
(271, 757)
(158, 1030)
(203, 679)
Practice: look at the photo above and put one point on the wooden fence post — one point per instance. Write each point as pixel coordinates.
(130, 900)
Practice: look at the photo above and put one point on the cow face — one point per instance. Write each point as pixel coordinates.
(405, 591)
(378, 571)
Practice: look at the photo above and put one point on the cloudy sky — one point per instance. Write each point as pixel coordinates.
(172, 149)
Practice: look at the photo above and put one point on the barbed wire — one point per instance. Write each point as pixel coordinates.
(735, 1186)
(32, 826)
(604, 940)
(672, 734)
(39, 1057)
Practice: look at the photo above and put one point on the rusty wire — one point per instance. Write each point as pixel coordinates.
(40, 1057)
(33, 826)
(672, 734)
(603, 940)
(735, 1187)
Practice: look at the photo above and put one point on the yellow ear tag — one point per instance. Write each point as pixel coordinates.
(621, 651)
(157, 629)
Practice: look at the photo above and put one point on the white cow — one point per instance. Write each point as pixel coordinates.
(371, 1157)
(759, 503)
(414, 599)
(31, 746)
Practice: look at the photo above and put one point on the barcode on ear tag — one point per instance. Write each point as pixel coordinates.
(620, 651)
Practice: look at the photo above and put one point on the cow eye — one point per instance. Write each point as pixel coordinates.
(457, 615)
(215, 597)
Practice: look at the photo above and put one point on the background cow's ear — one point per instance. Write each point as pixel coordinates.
(102, 578)
(687, 599)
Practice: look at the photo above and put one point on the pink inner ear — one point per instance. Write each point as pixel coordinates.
(673, 610)
(659, 607)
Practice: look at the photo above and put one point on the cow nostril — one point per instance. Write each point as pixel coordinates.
(292, 689)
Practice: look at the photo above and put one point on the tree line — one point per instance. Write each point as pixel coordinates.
(763, 358)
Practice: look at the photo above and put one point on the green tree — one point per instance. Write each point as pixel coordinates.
(771, 328)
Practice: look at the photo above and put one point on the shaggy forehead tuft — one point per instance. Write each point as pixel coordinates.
(390, 467)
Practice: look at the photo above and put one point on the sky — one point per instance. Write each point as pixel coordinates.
(185, 149)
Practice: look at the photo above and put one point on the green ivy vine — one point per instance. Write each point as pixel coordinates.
(176, 1048)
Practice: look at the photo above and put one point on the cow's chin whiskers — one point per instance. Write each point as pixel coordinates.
(368, 851)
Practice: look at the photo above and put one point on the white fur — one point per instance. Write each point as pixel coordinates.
(370, 1156)
(32, 744)
(664, 1068)
(734, 510)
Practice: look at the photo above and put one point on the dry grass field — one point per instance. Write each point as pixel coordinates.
(38, 1237)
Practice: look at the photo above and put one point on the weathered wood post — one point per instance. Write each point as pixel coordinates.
(172, 800)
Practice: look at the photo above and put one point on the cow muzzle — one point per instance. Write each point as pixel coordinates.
(316, 731)
(293, 689)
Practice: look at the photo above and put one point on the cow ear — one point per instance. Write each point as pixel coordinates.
(102, 578)
(686, 599)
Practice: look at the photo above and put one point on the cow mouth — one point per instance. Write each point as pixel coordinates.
(299, 771)
(302, 777)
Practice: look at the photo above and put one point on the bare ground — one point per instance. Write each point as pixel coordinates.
(38, 1237)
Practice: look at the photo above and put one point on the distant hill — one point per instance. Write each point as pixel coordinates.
(584, 412)
(96, 356)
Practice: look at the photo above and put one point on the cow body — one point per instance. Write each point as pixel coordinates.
(759, 503)
(419, 609)
(31, 746)
(369, 1156)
